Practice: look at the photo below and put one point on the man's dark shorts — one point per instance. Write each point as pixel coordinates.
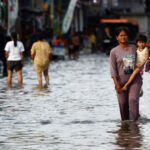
(17, 65)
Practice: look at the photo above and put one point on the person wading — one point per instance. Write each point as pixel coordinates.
(122, 65)
(41, 53)
(14, 54)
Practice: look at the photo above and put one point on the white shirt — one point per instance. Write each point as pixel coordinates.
(14, 52)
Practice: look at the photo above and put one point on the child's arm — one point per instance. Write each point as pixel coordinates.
(136, 71)
(33, 52)
(132, 77)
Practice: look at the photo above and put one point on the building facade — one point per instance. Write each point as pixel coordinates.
(136, 10)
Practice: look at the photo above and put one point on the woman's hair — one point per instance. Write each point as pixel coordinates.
(14, 37)
(142, 38)
(120, 29)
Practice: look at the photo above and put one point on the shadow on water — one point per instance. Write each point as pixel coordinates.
(41, 91)
(129, 136)
(144, 120)
(82, 122)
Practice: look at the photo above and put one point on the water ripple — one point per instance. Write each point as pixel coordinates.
(79, 111)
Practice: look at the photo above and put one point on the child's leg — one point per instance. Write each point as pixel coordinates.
(39, 76)
(46, 77)
(133, 75)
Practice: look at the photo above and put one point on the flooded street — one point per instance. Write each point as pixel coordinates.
(79, 111)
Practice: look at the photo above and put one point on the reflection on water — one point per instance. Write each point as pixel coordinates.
(129, 136)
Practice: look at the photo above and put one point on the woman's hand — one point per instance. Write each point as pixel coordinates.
(117, 85)
(118, 89)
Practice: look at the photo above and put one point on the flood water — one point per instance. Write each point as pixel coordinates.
(79, 111)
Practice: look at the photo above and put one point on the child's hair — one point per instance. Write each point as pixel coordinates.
(120, 29)
(14, 37)
(142, 38)
(40, 37)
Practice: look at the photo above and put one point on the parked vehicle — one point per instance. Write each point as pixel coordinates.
(58, 52)
(58, 48)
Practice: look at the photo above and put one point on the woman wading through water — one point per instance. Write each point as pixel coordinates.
(122, 64)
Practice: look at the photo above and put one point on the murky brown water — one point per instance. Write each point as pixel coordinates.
(79, 111)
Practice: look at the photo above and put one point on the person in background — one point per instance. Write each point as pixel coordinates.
(58, 41)
(76, 45)
(122, 64)
(93, 42)
(3, 40)
(41, 53)
(70, 49)
(142, 57)
(14, 53)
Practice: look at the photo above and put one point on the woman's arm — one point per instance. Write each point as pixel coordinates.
(117, 85)
(114, 72)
